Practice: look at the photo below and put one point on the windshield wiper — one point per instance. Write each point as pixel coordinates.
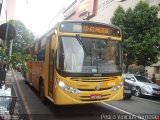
(81, 43)
(79, 39)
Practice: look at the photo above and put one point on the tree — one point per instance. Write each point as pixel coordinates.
(141, 32)
(17, 60)
(23, 35)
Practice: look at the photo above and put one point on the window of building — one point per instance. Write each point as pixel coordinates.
(156, 70)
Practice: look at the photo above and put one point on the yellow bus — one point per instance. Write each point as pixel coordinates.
(77, 62)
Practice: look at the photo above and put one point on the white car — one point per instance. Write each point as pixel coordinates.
(143, 85)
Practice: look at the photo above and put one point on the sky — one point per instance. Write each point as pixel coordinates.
(37, 14)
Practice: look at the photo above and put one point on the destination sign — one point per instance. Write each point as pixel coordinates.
(96, 29)
(92, 28)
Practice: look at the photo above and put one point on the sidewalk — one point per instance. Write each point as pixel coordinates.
(33, 108)
(28, 105)
(19, 111)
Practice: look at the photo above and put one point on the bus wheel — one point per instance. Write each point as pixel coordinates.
(24, 75)
(41, 91)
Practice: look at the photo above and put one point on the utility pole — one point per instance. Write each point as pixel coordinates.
(6, 37)
(10, 48)
(6, 34)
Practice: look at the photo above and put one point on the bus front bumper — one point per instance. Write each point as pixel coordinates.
(65, 98)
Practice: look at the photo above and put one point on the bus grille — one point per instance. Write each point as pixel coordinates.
(93, 79)
(94, 89)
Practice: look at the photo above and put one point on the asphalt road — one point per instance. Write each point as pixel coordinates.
(137, 108)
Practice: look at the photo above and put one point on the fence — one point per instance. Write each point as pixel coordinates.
(7, 101)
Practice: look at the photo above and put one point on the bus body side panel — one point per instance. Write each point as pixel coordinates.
(29, 64)
(46, 77)
(28, 74)
(53, 49)
(37, 72)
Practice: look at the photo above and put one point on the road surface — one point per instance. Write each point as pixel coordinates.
(143, 108)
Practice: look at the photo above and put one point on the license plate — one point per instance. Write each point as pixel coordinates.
(96, 96)
(127, 91)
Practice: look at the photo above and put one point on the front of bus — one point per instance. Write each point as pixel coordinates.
(88, 63)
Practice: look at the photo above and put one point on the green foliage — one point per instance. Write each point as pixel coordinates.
(118, 17)
(23, 35)
(4, 58)
(136, 69)
(141, 32)
(17, 60)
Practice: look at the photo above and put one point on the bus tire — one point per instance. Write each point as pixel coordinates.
(25, 80)
(24, 75)
(127, 97)
(42, 92)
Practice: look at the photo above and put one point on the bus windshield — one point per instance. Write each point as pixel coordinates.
(88, 55)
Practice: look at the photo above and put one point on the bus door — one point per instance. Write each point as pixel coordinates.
(51, 68)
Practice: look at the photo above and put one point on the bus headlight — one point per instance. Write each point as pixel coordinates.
(68, 88)
(117, 87)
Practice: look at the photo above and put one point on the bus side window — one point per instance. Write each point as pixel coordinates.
(36, 50)
(35, 57)
(27, 51)
(41, 55)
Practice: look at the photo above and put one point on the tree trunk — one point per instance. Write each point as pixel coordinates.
(127, 64)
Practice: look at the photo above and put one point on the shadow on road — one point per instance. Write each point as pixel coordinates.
(79, 112)
(155, 98)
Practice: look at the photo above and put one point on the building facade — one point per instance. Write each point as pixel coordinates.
(7, 10)
(102, 11)
(99, 10)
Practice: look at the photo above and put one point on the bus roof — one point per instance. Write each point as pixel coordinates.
(51, 30)
(87, 21)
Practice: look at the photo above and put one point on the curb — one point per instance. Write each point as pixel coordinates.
(21, 95)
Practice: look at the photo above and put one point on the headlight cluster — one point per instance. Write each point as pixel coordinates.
(67, 88)
(116, 87)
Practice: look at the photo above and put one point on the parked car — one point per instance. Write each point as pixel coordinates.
(129, 89)
(143, 85)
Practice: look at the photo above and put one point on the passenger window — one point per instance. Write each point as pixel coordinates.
(35, 57)
(130, 78)
(41, 54)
